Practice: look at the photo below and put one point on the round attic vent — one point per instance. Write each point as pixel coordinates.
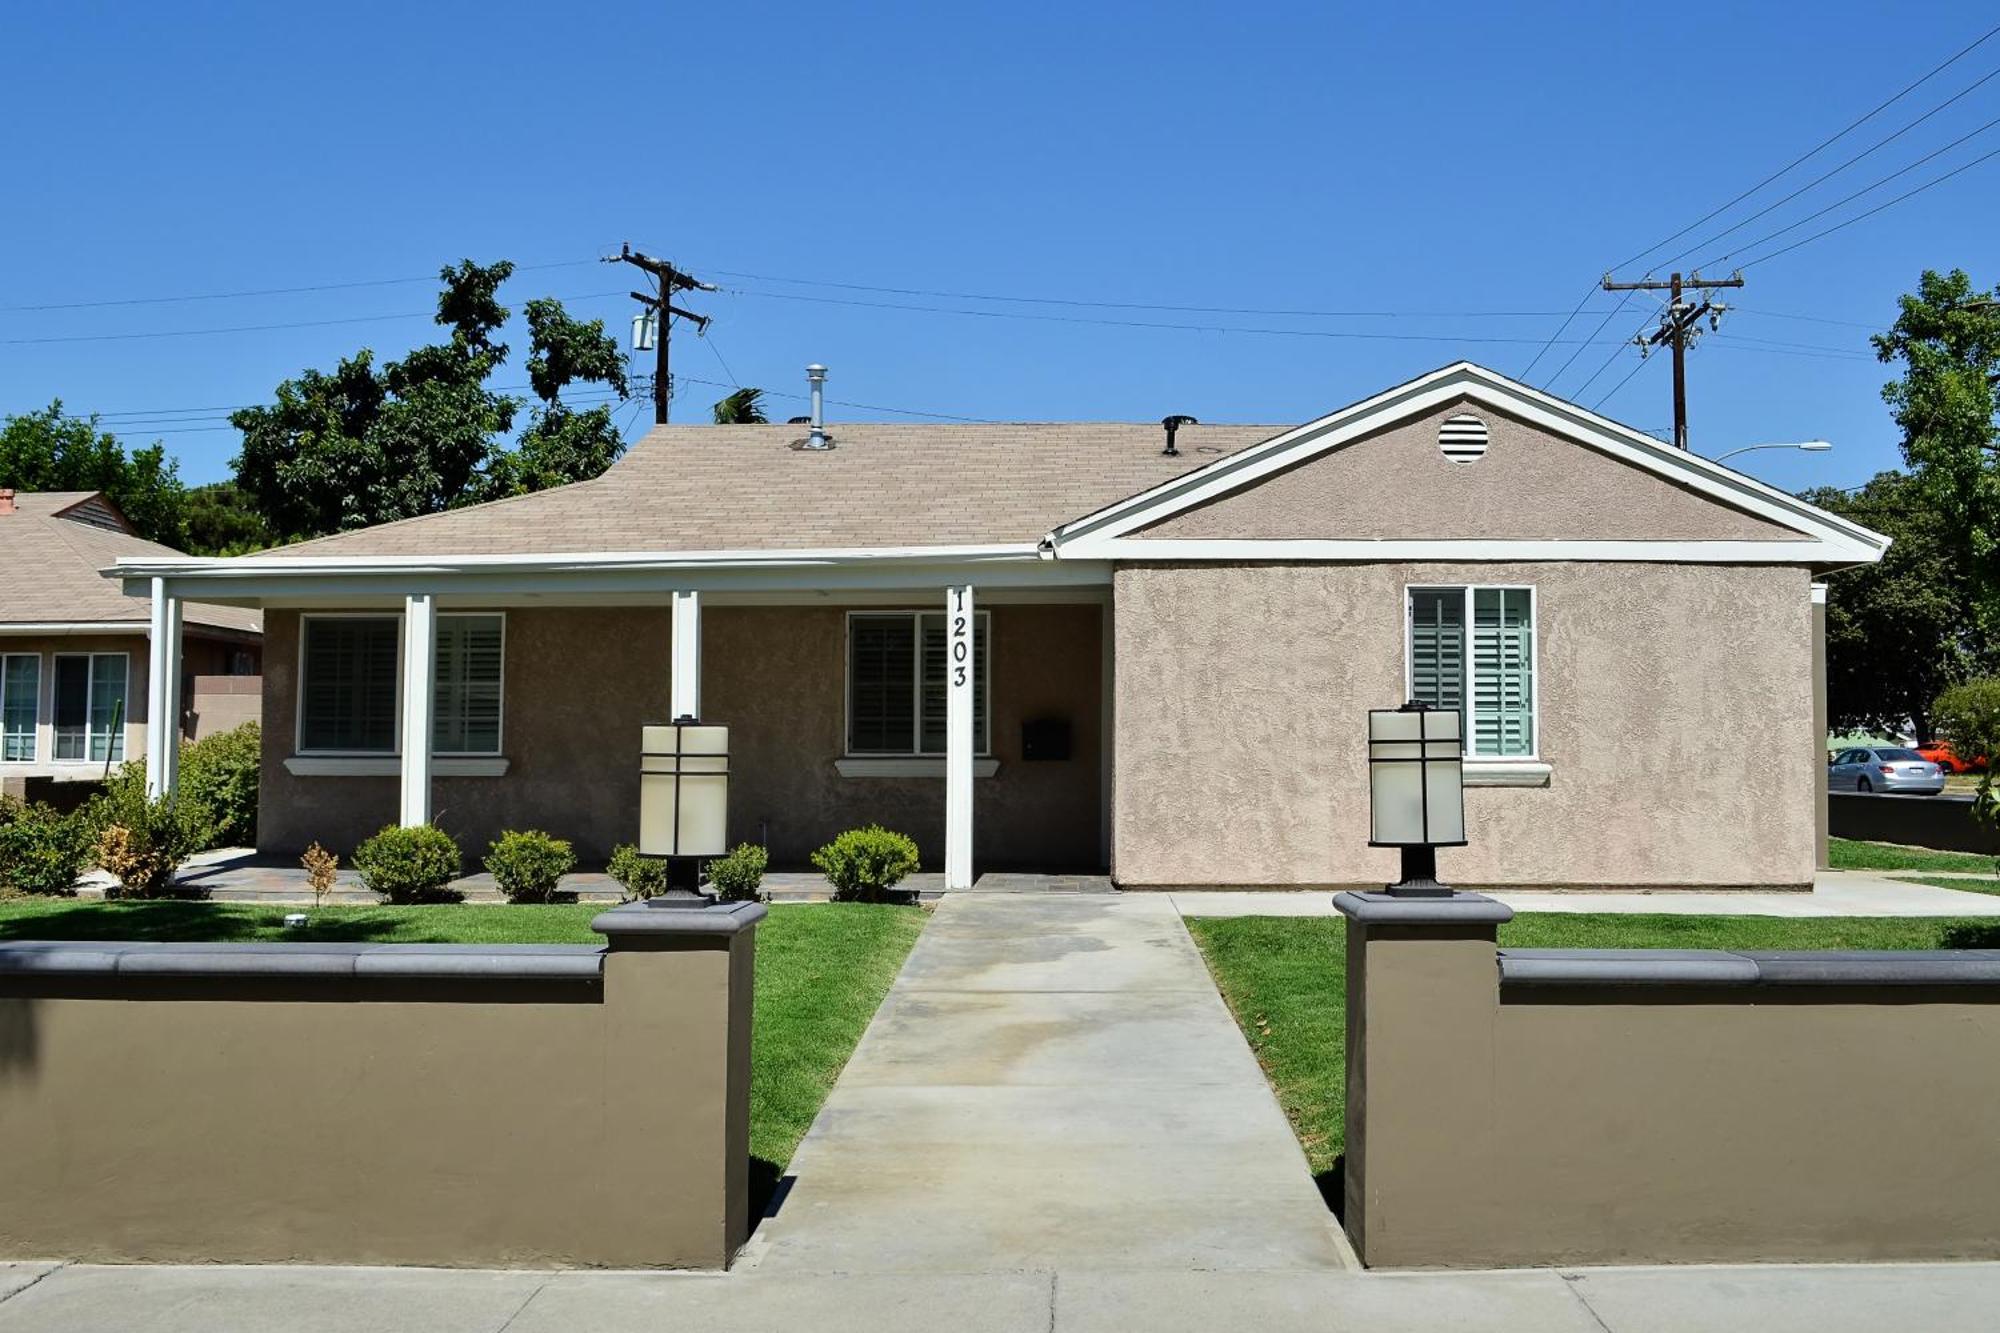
(1462, 438)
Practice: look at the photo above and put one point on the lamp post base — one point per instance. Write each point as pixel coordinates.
(1420, 876)
(684, 881)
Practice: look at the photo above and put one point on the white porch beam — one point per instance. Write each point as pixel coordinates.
(685, 696)
(163, 694)
(419, 686)
(961, 653)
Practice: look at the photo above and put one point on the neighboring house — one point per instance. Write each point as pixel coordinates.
(1168, 657)
(74, 652)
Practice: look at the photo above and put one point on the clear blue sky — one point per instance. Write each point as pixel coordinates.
(1432, 160)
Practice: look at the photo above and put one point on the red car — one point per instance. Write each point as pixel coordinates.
(1940, 753)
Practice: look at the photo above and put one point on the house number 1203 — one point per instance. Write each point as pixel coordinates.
(961, 638)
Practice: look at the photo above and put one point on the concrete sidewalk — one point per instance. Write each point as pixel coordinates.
(1052, 1083)
(1936, 1298)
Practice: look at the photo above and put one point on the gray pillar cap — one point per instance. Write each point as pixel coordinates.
(1389, 909)
(672, 916)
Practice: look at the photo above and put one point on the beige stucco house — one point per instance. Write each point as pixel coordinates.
(74, 676)
(1074, 646)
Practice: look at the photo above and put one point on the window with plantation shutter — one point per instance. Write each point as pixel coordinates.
(896, 683)
(466, 701)
(347, 692)
(1473, 649)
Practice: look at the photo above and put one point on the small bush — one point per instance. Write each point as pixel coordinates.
(410, 865)
(321, 867)
(1968, 716)
(736, 878)
(217, 790)
(640, 876)
(142, 842)
(41, 849)
(528, 864)
(864, 864)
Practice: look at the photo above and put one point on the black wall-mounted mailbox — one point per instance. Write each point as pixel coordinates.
(1045, 738)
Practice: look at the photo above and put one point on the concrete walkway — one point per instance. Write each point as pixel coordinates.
(1052, 1083)
(1834, 893)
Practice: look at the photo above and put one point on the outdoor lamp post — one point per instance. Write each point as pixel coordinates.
(684, 798)
(1416, 770)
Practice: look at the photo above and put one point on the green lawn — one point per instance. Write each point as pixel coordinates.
(822, 969)
(1285, 980)
(1987, 885)
(1847, 854)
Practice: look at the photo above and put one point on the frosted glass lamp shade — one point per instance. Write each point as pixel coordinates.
(1415, 777)
(684, 790)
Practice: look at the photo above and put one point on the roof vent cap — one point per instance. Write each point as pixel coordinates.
(816, 438)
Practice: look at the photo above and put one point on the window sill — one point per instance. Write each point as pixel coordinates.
(1506, 773)
(389, 766)
(906, 766)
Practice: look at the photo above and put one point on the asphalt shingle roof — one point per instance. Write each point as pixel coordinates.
(50, 563)
(712, 488)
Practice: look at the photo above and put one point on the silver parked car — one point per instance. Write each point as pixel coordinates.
(1884, 768)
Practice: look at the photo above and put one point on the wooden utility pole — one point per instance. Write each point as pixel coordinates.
(1679, 327)
(670, 281)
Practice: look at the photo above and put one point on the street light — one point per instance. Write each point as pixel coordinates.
(1415, 790)
(1810, 446)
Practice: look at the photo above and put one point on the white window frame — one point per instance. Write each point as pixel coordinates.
(42, 678)
(1534, 756)
(116, 740)
(395, 751)
(982, 632)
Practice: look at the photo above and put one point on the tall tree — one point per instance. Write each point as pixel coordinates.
(1896, 631)
(1947, 337)
(359, 446)
(52, 450)
(561, 443)
(221, 522)
(745, 407)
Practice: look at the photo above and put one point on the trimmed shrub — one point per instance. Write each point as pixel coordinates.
(410, 865)
(528, 864)
(864, 864)
(736, 878)
(640, 876)
(142, 842)
(42, 850)
(217, 788)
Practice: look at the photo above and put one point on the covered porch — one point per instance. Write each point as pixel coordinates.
(964, 702)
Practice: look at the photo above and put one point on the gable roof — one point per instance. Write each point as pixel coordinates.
(882, 485)
(53, 547)
(1111, 531)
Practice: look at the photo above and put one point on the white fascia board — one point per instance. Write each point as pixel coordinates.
(77, 627)
(1803, 552)
(142, 566)
(1483, 386)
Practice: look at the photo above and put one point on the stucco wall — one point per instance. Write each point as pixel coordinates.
(580, 684)
(1530, 484)
(1675, 700)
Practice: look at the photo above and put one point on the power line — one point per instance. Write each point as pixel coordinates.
(1861, 217)
(1613, 392)
(267, 291)
(255, 328)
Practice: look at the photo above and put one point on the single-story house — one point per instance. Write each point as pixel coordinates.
(75, 686)
(1082, 646)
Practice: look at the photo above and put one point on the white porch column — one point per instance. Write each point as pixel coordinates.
(163, 694)
(685, 696)
(961, 652)
(419, 687)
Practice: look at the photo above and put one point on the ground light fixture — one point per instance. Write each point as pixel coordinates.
(1416, 796)
(684, 798)
(1809, 446)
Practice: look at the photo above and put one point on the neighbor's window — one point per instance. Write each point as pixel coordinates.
(20, 693)
(896, 683)
(351, 671)
(466, 706)
(90, 706)
(1488, 675)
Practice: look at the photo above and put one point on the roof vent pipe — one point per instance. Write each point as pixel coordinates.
(816, 437)
(1174, 423)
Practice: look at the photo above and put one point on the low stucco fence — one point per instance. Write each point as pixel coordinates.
(1943, 823)
(1532, 1107)
(523, 1105)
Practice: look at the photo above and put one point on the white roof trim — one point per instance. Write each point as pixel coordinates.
(1805, 551)
(77, 627)
(246, 566)
(1827, 537)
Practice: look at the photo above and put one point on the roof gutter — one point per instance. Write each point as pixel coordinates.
(251, 566)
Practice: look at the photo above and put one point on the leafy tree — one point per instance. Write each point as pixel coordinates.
(562, 444)
(745, 407)
(361, 446)
(1969, 717)
(52, 450)
(1947, 335)
(1896, 631)
(220, 521)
